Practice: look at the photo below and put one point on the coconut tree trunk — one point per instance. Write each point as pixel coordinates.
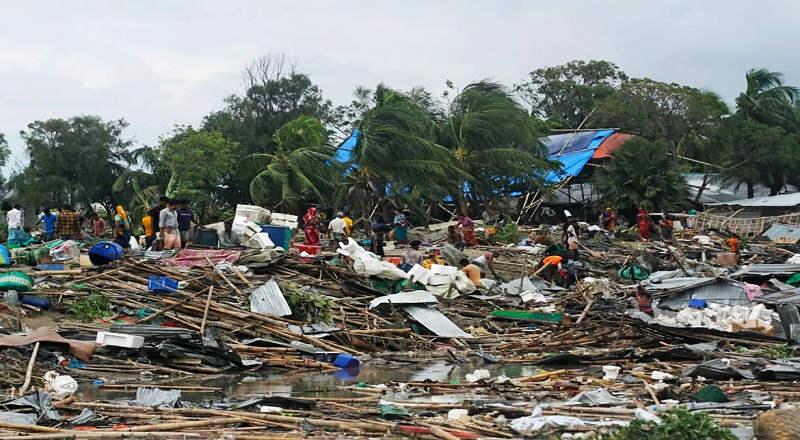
(462, 198)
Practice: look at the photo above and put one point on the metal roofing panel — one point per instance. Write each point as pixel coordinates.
(413, 297)
(767, 270)
(779, 201)
(779, 233)
(268, 300)
(569, 143)
(436, 322)
(676, 284)
(669, 274)
(781, 297)
(726, 292)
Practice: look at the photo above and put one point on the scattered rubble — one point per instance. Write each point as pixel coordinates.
(561, 348)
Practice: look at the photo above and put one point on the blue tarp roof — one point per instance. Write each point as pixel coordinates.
(573, 150)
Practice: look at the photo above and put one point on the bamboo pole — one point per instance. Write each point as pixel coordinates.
(205, 312)
(28, 373)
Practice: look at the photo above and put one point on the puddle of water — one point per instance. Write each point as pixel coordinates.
(320, 385)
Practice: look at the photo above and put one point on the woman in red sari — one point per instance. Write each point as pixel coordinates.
(645, 223)
(468, 226)
(311, 227)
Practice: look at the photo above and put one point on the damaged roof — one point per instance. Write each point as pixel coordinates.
(767, 270)
(778, 233)
(436, 322)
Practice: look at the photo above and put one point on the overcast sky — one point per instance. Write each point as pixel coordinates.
(161, 63)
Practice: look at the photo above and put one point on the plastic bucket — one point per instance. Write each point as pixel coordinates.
(106, 252)
(346, 361)
(206, 237)
(280, 235)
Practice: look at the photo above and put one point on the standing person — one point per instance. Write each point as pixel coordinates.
(645, 224)
(228, 238)
(16, 233)
(49, 220)
(311, 227)
(455, 238)
(644, 300)
(412, 256)
(338, 227)
(400, 227)
(185, 218)
(473, 272)
(608, 221)
(573, 239)
(468, 226)
(349, 222)
(67, 226)
(665, 226)
(378, 236)
(97, 224)
(122, 229)
(168, 225)
(154, 214)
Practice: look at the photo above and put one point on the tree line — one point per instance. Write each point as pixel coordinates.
(474, 146)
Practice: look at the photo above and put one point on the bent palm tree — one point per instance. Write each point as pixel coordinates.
(299, 168)
(493, 140)
(768, 100)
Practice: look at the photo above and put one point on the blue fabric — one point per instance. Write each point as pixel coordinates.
(573, 164)
(17, 236)
(49, 222)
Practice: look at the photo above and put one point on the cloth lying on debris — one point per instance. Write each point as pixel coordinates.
(80, 349)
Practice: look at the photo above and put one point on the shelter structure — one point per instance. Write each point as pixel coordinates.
(751, 217)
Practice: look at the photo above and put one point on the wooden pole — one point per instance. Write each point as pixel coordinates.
(205, 312)
(28, 373)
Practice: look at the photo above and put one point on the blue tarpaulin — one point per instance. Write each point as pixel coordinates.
(573, 150)
(345, 151)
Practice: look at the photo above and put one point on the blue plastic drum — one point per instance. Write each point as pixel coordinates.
(106, 252)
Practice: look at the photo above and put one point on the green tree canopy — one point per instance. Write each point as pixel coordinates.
(568, 93)
(641, 174)
(657, 110)
(73, 161)
(768, 101)
(4, 154)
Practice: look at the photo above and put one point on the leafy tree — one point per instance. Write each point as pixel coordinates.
(760, 153)
(641, 174)
(657, 110)
(4, 154)
(568, 93)
(767, 100)
(75, 160)
(189, 164)
(299, 169)
(274, 94)
(494, 142)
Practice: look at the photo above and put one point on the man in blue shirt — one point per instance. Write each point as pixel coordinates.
(49, 224)
(185, 218)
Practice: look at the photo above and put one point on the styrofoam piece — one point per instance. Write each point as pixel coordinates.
(439, 280)
(440, 269)
(253, 213)
(260, 240)
(610, 372)
(120, 340)
(420, 274)
(277, 216)
(239, 224)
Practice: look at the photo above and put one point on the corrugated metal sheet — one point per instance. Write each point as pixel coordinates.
(725, 292)
(268, 300)
(767, 270)
(779, 233)
(669, 274)
(413, 297)
(779, 201)
(675, 284)
(782, 297)
(436, 322)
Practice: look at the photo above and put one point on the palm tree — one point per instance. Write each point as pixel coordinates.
(395, 150)
(300, 167)
(767, 100)
(641, 174)
(493, 140)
